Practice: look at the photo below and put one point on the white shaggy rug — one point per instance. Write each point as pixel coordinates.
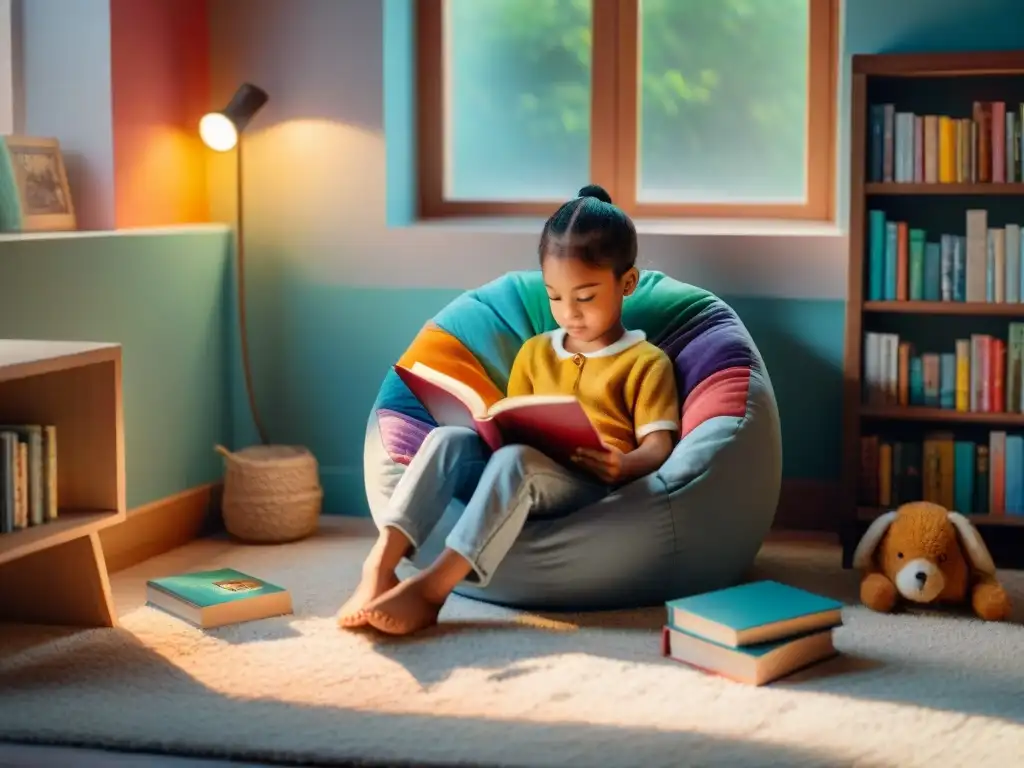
(493, 687)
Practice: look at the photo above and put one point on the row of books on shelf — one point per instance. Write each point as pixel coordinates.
(946, 149)
(973, 478)
(984, 265)
(982, 374)
(28, 476)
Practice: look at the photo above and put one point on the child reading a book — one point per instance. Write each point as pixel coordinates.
(625, 384)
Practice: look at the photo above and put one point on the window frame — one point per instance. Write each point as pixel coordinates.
(614, 127)
(8, 68)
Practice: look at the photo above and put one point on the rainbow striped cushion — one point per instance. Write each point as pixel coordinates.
(476, 338)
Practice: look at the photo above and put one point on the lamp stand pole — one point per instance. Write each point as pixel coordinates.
(243, 333)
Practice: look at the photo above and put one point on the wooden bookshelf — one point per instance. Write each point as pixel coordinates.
(942, 415)
(973, 308)
(943, 84)
(55, 573)
(908, 188)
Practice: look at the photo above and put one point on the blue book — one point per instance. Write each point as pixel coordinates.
(916, 387)
(959, 268)
(215, 598)
(947, 380)
(752, 613)
(877, 142)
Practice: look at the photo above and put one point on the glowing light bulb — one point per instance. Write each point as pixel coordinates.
(218, 132)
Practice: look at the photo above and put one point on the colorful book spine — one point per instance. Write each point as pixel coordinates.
(909, 263)
(909, 148)
(971, 477)
(979, 374)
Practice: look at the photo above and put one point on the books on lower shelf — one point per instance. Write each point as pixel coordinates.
(908, 263)
(906, 147)
(971, 477)
(980, 374)
(28, 476)
(209, 599)
(753, 633)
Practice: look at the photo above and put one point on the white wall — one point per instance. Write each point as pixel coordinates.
(62, 58)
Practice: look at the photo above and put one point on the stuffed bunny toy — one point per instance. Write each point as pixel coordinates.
(925, 554)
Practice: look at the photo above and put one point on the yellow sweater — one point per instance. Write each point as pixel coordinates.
(628, 388)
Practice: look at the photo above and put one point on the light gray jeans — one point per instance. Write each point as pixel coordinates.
(504, 488)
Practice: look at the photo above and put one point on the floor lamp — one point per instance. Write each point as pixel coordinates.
(221, 131)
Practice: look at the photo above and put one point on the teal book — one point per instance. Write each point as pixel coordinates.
(932, 272)
(754, 664)
(964, 463)
(891, 259)
(917, 238)
(753, 613)
(215, 598)
(876, 256)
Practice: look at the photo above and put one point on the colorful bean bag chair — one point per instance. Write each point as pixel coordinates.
(694, 525)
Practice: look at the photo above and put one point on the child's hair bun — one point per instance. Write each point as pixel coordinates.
(596, 191)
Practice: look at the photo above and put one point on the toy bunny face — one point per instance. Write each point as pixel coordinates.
(925, 551)
(921, 555)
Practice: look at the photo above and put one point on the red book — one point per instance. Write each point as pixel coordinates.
(554, 424)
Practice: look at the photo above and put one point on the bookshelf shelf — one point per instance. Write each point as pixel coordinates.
(71, 524)
(948, 415)
(908, 188)
(55, 572)
(936, 181)
(975, 308)
(867, 514)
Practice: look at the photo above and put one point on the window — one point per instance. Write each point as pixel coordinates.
(702, 108)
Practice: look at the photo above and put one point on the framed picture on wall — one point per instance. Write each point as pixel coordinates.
(34, 191)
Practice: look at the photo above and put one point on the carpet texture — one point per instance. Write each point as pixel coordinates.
(496, 687)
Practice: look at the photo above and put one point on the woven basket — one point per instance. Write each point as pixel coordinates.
(272, 493)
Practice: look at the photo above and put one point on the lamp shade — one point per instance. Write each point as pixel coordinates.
(219, 130)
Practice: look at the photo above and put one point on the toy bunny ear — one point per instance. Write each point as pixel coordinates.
(973, 545)
(869, 541)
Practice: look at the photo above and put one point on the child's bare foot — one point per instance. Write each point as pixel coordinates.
(374, 584)
(407, 608)
(378, 576)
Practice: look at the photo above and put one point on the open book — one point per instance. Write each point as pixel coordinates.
(554, 424)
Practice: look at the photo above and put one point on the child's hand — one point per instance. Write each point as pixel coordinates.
(609, 465)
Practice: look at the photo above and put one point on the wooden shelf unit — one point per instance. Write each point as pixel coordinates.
(963, 77)
(55, 573)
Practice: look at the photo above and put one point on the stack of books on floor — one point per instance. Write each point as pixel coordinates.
(753, 633)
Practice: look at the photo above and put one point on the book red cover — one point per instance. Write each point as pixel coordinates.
(557, 426)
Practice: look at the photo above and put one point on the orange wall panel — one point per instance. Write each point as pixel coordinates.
(160, 87)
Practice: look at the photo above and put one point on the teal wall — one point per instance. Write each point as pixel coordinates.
(164, 298)
(800, 339)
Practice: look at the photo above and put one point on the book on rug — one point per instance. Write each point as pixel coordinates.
(214, 598)
(752, 664)
(554, 424)
(756, 612)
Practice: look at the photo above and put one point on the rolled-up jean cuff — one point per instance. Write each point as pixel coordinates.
(483, 578)
(398, 526)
